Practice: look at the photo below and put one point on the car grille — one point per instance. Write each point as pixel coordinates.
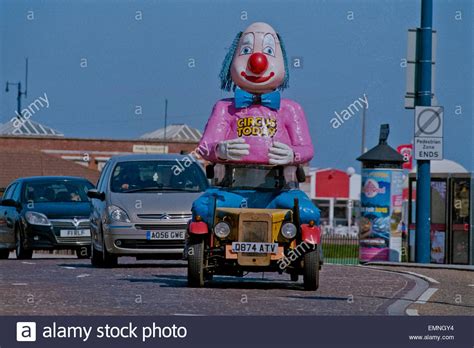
(150, 244)
(255, 231)
(161, 227)
(70, 224)
(165, 216)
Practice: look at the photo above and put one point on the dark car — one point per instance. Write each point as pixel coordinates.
(47, 212)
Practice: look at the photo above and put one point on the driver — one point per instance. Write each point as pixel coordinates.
(257, 126)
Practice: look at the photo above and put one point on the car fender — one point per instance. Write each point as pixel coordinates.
(198, 227)
(311, 234)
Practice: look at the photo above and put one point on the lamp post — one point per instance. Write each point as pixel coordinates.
(20, 93)
(350, 171)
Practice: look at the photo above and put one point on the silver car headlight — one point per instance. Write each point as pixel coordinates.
(222, 229)
(118, 214)
(35, 218)
(288, 230)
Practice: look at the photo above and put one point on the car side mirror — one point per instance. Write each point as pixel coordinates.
(210, 171)
(10, 203)
(300, 174)
(95, 194)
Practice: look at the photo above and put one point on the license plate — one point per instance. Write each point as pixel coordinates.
(154, 235)
(259, 248)
(75, 233)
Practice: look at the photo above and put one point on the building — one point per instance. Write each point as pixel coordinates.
(41, 146)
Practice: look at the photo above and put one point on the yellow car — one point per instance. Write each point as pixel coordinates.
(233, 241)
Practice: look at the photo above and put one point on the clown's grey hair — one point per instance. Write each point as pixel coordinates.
(225, 77)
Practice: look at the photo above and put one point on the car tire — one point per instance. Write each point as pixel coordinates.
(103, 259)
(311, 270)
(83, 252)
(294, 277)
(22, 253)
(196, 265)
(4, 253)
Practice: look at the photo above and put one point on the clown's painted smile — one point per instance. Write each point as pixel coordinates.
(257, 79)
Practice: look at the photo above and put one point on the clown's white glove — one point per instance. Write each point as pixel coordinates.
(280, 153)
(233, 149)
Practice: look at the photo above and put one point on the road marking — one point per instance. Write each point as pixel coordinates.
(68, 267)
(29, 263)
(83, 275)
(426, 295)
(19, 284)
(470, 284)
(412, 312)
(188, 315)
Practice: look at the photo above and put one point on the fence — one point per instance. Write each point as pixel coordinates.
(340, 249)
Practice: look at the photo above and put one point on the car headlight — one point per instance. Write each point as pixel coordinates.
(118, 214)
(222, 229)
(288, 230)
(35, 218)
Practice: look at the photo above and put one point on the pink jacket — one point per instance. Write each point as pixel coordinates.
(259, 126)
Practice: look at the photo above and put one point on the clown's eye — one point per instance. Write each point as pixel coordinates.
(270, 51)
(245, 50)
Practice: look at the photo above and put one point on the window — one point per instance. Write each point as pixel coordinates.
(16, 193)
(9, 191)
(64, 191)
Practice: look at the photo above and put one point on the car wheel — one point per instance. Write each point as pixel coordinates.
(21, 252)
(96, 257)
(109, 260)
(311, 270)
(83, 252)
(196, 265)
(294, 277)
(4, 253)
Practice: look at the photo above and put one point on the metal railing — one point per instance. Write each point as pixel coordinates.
(340, 246)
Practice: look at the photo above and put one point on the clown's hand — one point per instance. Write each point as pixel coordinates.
(233, 149)
(280, 153)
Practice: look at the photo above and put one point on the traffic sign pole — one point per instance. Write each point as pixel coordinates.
(423, 186)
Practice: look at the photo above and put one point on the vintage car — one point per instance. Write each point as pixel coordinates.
(252, 237)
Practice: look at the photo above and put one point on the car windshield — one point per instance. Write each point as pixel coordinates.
(253, 177)
(158, 175)
(58, 191)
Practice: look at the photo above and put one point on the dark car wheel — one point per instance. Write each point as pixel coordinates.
(196, 265)
(21, 252)
(83, 252)
(103, 259)
(311, 270)
(4, 253)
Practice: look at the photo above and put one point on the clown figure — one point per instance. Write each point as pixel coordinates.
(257, 127)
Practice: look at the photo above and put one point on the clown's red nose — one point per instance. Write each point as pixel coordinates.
(258, 63)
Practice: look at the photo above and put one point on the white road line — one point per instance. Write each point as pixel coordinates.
(426, 296)
(188, 315)
(412, 312)
(68, 267)
(83, 275)
(29, 263)
(19, 284)
(470, 284)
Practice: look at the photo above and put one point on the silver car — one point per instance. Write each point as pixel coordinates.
(142, 205)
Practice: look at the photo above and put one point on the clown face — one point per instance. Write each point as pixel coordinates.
(258, 64)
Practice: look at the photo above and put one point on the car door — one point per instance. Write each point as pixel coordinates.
(98, 206)
(7, 235)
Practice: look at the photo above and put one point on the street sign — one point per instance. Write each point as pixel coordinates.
(429, 133)
(406, 151)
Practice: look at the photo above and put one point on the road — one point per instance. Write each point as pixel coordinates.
(68, 286)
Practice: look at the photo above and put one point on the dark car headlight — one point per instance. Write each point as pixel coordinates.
(35, 218)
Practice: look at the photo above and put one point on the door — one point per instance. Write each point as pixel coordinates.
(460, 219)
(7, 236)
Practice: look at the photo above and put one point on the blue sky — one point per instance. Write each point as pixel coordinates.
(348, 49)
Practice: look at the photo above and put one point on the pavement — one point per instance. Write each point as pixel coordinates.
(63, 285)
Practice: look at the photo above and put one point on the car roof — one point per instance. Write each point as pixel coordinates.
(47, 178)
(151, 157)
